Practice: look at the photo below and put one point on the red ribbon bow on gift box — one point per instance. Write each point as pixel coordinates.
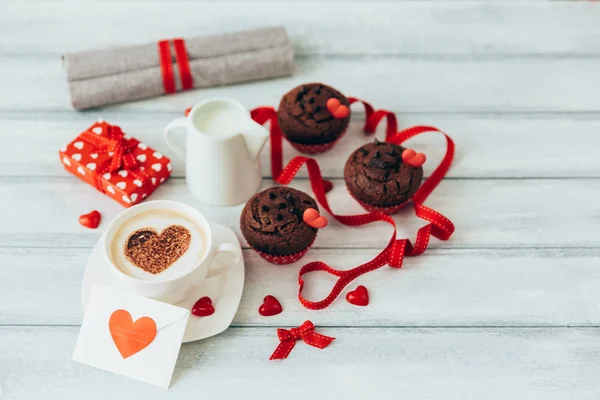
(120, 147)
(305, 332)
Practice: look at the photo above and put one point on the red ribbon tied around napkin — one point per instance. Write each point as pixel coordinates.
(393, 254)
(305, 332)
(116, 143)
(166, 65)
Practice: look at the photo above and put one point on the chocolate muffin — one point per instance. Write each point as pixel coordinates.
(272, 221)
(304, 117)
(375, 174)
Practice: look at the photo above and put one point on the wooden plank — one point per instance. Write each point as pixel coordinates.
(495, 364)
(487, 213)
(442, 288)
(367, 27)
(415, 85)
(488, 146)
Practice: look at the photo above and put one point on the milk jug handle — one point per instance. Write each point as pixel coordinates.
(174, 144)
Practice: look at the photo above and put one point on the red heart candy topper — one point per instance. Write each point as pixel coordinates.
(337, 109)
(413, 158)
(313, 218)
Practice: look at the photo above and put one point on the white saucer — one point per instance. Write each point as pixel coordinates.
(225, 290)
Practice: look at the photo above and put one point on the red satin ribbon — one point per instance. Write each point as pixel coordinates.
(396, 249)
(305, 332)
(166, 65)
(181, 58)
(114, 142)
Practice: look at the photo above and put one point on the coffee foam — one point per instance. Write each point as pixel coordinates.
(157, 221)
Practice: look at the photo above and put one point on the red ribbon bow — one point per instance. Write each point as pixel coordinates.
(305, 332)
(115, 143)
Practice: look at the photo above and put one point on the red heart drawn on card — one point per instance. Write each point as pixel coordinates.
(413, 158)
(131, 337)
(359, 296)
(90, 220)
(337, 109)
(270, 306)
(203, 307)
(313, 218)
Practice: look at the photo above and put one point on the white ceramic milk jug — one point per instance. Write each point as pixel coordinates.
(221, 155)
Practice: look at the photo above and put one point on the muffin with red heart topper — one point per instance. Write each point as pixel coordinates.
(313, 116)
(383, 176)
(281, 223)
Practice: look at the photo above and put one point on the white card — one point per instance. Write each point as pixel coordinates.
(127, 347)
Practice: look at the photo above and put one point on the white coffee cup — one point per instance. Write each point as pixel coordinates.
(176, 289)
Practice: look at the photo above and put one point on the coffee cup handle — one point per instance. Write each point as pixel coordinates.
(218, 267)
(174, 145)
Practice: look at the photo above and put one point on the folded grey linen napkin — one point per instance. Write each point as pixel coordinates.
(101, 77)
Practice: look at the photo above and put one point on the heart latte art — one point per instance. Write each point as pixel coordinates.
(154, 252)
(158, 245)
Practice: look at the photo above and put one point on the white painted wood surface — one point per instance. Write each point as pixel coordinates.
(378, 363)
(508, 308)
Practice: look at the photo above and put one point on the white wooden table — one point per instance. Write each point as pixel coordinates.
(508, 308)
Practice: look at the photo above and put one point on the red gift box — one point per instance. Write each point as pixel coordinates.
(116, 164)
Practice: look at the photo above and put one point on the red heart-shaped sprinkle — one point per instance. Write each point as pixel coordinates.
(270, 306)
(313, 218)
(413, 158)
(337, 109)
(203, 307)
(359, 296)
(90, 220)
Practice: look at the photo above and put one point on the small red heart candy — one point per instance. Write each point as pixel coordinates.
(90, 220)
(408, 154)
(203, 307)
(310, 214)
(418, 160)
(413, 158)
(358, 297)
(337, 109)
(270, 306)
(313, 218)
(319, 222)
